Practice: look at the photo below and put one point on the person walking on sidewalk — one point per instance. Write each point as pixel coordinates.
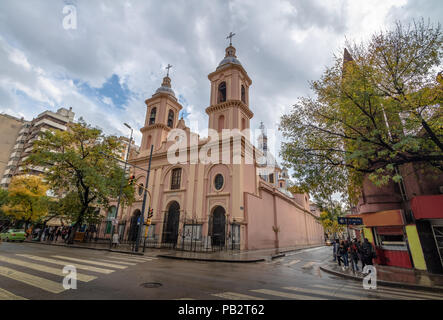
(340, 253)
(346, 254)
(335, 246)
(354, 255)
(115, 240)
(368, 252)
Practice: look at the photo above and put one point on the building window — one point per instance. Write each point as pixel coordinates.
(170, 119)
(112, 213)
(218, 181)
(222, 92)
(271, 178)
(152, 117)
(243, 94)
(390, 236)
(175, 178)
(140, 189)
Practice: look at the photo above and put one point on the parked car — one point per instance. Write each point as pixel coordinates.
(328, 242)
(13, 235)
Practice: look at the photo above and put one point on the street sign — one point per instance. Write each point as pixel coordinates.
(350, 221)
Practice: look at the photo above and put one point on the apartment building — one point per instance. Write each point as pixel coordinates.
(27, 134)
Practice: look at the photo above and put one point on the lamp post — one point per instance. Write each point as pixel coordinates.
(121, 183)
(142, 217)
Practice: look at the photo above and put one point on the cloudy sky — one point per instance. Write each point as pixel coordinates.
(115, 59)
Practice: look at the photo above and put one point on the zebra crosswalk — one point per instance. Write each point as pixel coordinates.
(349, 291)
(49, 268)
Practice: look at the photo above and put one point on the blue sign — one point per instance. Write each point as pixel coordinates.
(350, 221)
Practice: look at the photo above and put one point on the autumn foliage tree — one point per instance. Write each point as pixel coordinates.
(377, 110)
(27, 200)
(78, 172)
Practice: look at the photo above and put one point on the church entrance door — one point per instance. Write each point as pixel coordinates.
(170, 229)
(218, 227)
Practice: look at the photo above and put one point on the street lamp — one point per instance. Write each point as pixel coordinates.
(121, 183)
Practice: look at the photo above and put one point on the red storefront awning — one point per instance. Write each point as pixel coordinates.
(427, 207)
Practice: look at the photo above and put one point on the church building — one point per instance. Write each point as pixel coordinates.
(222, 204)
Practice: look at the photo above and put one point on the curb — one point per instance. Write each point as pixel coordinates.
(283, 253)
(210, 260)
(81, 247)
(385, 283)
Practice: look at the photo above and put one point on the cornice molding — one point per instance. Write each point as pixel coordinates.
(229, 104)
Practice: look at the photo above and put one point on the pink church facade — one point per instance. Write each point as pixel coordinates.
(227, 203)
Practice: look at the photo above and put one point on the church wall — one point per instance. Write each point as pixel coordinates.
(296, 227)
(260, 212)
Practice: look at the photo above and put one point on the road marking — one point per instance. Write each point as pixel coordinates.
(286, 294)
(104, 264)
(184, 299)
(326, 293)
(64, 263)
(404, 292)
(309, 265)
(292, 262)
(39, 267)
(120, 262)
(236, 296)
(6, 295)
(371, 293)
(42, 283)
(133, 259)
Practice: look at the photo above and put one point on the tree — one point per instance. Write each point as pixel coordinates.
(79, 173)
(27, 200)
(375, 110)
(329, 218)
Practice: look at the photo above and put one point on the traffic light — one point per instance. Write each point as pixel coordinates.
(131, 180)
(150, 213)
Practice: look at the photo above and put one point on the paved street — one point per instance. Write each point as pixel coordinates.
(33, 271)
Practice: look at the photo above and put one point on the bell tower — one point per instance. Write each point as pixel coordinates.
(229, 102)
(161, 116)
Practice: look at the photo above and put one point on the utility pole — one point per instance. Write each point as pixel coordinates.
(139, 231)
(121, 185)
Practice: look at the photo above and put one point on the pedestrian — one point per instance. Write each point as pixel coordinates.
(345, 255)
(354, 255)
(58, 233)
(340, 252)
(368, 252)
(335, 246)
(115, 240)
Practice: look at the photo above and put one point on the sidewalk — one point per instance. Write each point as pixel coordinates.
(234, 256)
(217, 256)
(392, 276)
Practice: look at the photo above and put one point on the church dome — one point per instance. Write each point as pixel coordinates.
(230, 57)
(166, 87)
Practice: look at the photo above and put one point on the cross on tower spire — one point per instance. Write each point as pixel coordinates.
(230, 37)
(168, 67)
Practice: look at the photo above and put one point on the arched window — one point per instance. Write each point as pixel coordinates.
(170, 119)
(221, 123)
(152, 116)
(221, 92)
(175, 178)
(243, 94)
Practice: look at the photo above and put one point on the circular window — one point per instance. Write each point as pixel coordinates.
(140, 189)
(218, 182)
